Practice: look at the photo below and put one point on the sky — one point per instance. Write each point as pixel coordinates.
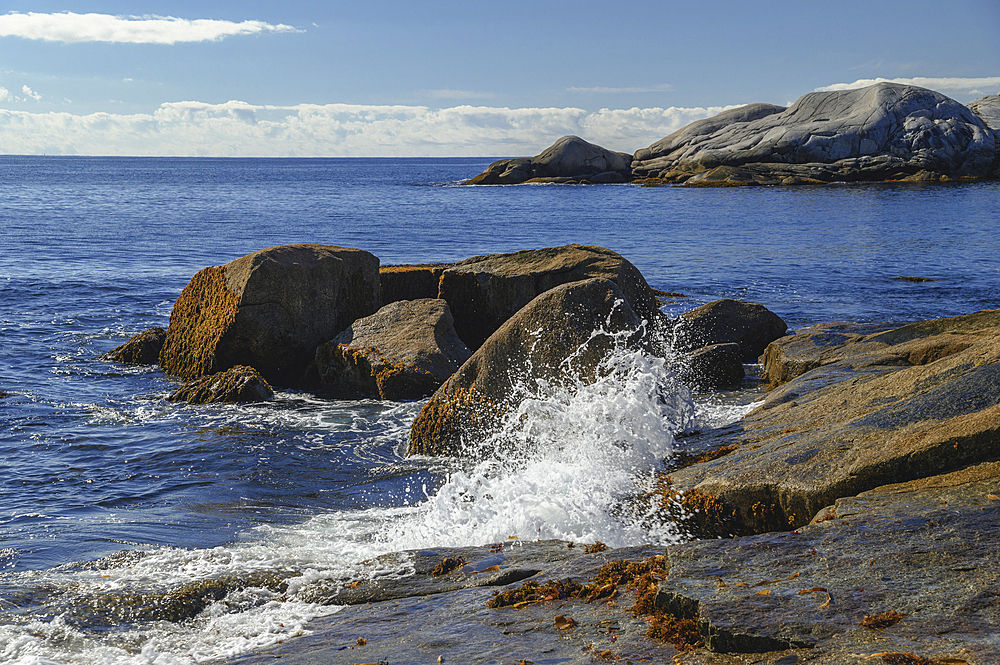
(437, 78)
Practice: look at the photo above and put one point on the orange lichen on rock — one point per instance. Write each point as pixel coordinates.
(142, 349)
(202, 315)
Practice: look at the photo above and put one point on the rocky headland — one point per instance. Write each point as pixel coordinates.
(886, 132)
(850, 518)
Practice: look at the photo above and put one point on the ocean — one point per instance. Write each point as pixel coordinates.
(112, 497)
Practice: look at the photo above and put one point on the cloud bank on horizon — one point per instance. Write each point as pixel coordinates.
(70, 28)
(239, 129)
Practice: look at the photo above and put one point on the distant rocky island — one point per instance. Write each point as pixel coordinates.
(885, 132)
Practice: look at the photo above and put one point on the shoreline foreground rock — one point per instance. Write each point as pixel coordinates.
(885, 132)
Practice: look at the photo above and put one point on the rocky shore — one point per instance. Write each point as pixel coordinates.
(886, 132)
(850, 518)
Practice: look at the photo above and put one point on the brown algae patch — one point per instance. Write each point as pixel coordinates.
(638, 579)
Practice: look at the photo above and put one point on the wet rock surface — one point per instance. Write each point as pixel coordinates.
(456, 624)
(404, 351)
(868, 485)
(715, 367)
(922, 550)
(235, 385)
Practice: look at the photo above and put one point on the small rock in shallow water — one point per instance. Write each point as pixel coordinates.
(238, 384)
(141, 349)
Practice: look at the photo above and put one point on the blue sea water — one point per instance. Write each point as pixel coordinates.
(94, 461)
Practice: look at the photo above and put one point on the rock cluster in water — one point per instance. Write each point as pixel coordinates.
(852, 515)
(886, 132)
(330, 318)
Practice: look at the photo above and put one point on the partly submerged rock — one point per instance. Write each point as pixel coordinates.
(101, 611)
(899, 405)
(236, 384)
(884, 132)
(562, 335)
(568, 159)
(750, 325)
(141, 349)
(406, 350)
(484, 291)
(269, 310)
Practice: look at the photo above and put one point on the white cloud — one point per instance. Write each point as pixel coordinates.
(68, 27)
(952, 85)
(28, 92)
(239, 129)
(4, 94)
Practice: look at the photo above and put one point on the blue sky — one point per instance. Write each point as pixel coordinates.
(388, 78)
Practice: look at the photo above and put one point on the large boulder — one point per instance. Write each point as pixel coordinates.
(568, 159)
(404, 351)
(551, 339)
(750, 325)
(141, 349)
(884, 132)
(485, 291)
(269, 310)
(891, 406)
